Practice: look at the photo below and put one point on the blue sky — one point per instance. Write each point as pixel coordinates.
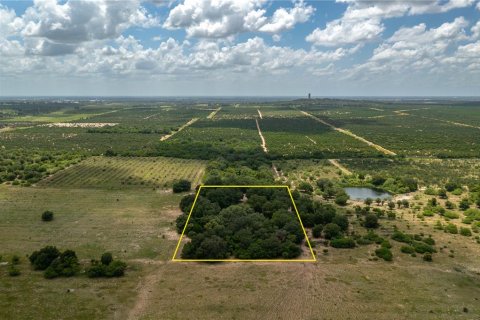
(233, 47)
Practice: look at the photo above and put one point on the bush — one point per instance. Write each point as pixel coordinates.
(451, 228)
(451, 215)
(407, 249)
(66, 265)
(343, 243)
(13, 271)
(384, 253)
(371, 221)
(331, 230)
(465, 232)
(115, 268)
(305, 187)
(401, 237)
(317, 231)
(41, 259)
(47, 216)
(427, 257)
(106, 258)
(421, 247)
(341, 199)
(182, 186)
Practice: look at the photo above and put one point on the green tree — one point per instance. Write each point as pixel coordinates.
(371, 221)
(47, 216)
(331, 230)
(181, 186)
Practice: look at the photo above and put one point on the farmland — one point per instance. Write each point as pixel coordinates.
(106, 170)
(118, 172)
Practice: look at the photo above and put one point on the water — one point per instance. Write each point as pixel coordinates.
(357, 193)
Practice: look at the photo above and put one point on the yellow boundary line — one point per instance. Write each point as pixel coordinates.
(313, 259)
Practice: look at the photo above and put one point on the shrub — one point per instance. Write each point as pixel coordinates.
(341, 199)
(13, 271)
(15, 260)
(181, 186)
(391, 215)
(342, 221)
(41, 259)
(421, 247)
(384, 253)
(331, 230)
(401, 237)
(305, 187)
(451, 228)
(66, 265)
(343, 243)
(371, 221)
(465, 232)
(106, 258)
(317, 230)
(427, 257)
(115, 268)
(451, 215)
(47, 216)
(429, 241)
(407, 249)
(386, 244)
(464, 204)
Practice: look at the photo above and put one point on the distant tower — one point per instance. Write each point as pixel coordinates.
(309, 96)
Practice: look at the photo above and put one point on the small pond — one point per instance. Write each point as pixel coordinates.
(360, 193)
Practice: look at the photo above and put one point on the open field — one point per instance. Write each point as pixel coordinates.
(117, 172)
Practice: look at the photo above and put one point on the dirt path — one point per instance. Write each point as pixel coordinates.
(275, 170)
(259, 114)
(213, 113)
(351, 134)
(339, 166)
(145, 288)
(377, 109)
(313, 141)
(264, 144)
(189, 123)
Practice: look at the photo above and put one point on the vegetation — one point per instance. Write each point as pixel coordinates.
(47, 216)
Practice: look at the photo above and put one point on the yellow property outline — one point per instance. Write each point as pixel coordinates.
(313, 259)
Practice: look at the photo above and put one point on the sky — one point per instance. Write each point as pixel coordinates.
(240, 48)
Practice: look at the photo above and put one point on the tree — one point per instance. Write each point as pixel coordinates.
(305, 187)
(331, 230)
(368, 201)
(391, 205)
(65, 265)
(378, 201)
(317, 231)
(378, 180)
(371, 221)
(405, 203)
(41, 259)
(442, 193)
(464, 204)
(341, 198)
(342, 221)
(399, 204)
(106, 258)
(47, 216)
(451, 185)
(182, 186)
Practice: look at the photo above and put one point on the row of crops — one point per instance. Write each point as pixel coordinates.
(122, 172)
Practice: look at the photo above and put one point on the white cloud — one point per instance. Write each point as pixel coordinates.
(476, 31)
(478, 6)
(52, 28)
(341, 32)
(9, 22)
(224, 18)
(415, 50)
(362, 20)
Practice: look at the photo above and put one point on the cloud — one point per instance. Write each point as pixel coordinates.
(415, 50)
(59, 28)
(10, 24)
(221, 19)
(362, 20)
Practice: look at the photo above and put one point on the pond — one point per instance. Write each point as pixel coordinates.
(360, 193)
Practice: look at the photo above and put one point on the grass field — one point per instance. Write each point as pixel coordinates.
(120, 172)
